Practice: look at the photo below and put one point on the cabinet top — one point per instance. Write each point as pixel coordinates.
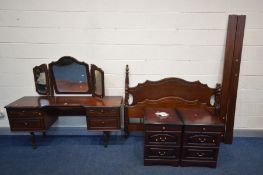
(63, 101)
(161, 116)
(198, 116)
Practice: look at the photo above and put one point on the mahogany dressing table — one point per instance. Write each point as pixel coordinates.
(66, 76)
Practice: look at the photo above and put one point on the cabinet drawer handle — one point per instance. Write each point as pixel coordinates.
(200, 154)
(162, 153)
(91, 110)
(26, 124)
(102, 122)
(202, 140)
(163, 128)
(162, 139)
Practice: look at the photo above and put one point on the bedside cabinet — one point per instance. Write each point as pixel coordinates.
(162, 137)
(201, 137)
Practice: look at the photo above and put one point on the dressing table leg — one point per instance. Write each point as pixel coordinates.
(33, 139)
(126, 134)
(106, 135)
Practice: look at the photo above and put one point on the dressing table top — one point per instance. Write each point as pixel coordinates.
(61, 101)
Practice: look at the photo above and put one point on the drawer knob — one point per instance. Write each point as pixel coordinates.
(162, 153)
(101, 110)
(26, 124)
(203, 129)
(163, 128)
(102, 122)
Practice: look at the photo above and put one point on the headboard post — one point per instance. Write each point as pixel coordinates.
(126, 85)
(218, 91)
(126, 103)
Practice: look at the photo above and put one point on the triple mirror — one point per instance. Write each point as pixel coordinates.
(69, 76)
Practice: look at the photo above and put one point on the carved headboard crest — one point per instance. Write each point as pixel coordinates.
(170, 87)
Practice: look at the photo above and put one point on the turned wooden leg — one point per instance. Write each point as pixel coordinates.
(126, 134)
(33, 139)
(106, 135)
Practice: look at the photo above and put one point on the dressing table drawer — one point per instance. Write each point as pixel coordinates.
(94, 112)
(204, 128)
(103, 123)
(26, 124)
(24, 113)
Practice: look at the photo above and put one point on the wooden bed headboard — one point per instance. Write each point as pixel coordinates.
(168, 92)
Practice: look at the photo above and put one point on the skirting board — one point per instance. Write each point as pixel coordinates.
(84, 131)
(59, 131)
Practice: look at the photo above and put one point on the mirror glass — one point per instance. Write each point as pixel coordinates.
(70, 76)
(98, 84)
(41, 79)
(98, 81)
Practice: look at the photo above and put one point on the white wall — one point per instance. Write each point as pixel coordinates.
(157, 38)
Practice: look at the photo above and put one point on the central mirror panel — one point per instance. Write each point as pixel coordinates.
(70, 76)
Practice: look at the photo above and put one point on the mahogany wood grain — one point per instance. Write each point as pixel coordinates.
(175, 87)
(198, 116)
(236, 60)
(38, 113)
(229, 50)
(152, 117)
(67, 101)
(166, 93)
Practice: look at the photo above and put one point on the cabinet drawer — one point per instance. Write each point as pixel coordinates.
(162, 128)
(161, 152)
(24, 113)
(163, 138)
(195, 153)
(103, 123)
(201, 139)
(196, 128)
(26, 124)
(94, 112)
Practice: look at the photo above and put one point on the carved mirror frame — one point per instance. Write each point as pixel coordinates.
(62, 61)
(93, 70)
(36, 71)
